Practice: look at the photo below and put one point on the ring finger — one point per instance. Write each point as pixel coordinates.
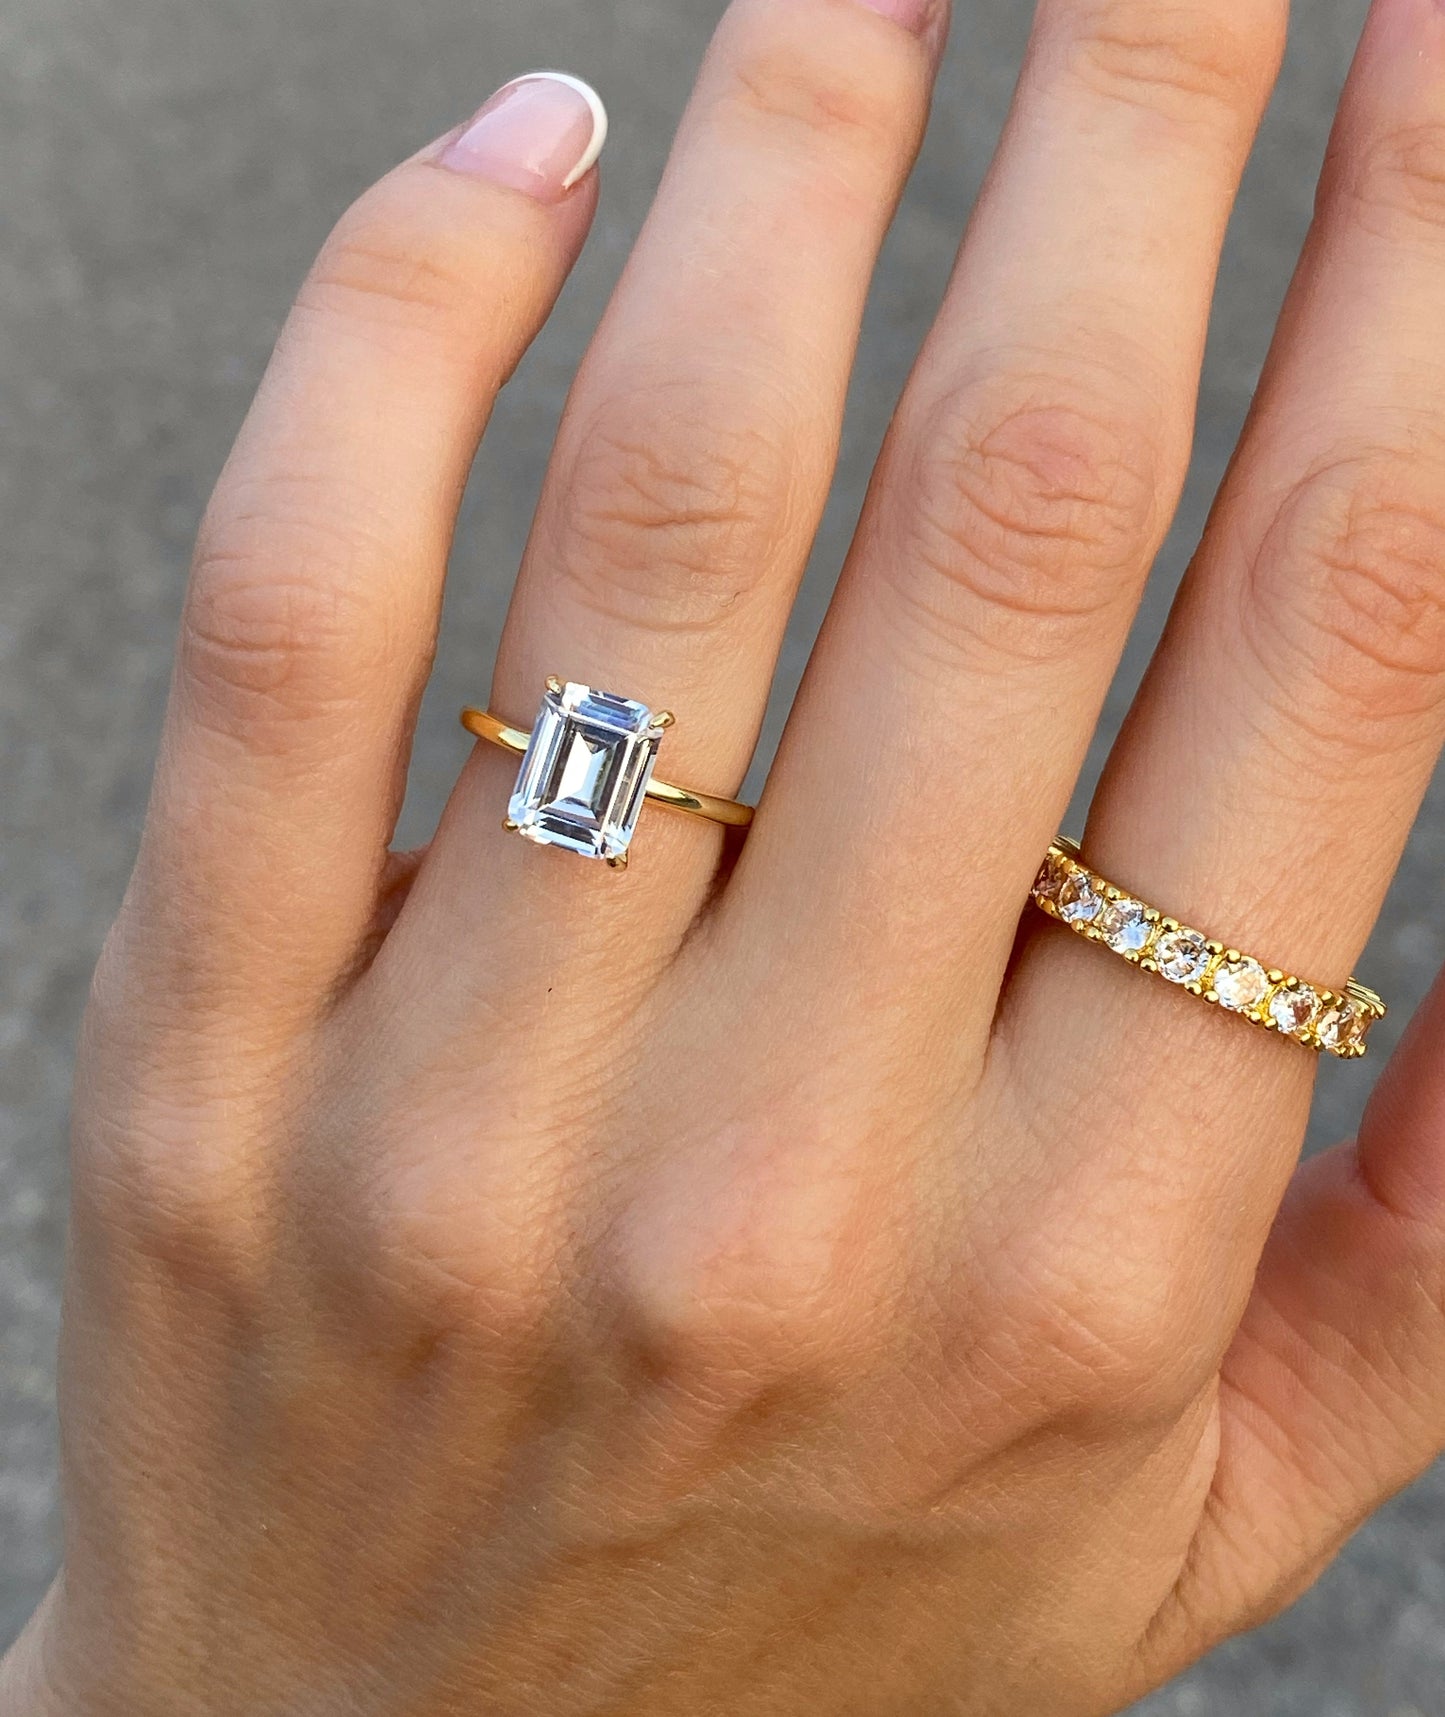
(1269, 774)
(1308, 646)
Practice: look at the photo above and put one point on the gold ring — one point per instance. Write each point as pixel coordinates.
(587, 768)
(1336, 1022)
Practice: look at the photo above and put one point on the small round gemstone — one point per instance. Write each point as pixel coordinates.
(1126, 926)
(1182, 955)
(1241, 985)
(1294, 1008)
(1079, 901)
(1342, 1026)
(1051, 879)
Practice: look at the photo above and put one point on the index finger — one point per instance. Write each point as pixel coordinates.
(311, 618)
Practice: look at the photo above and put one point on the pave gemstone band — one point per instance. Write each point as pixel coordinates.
(1329, 1021)
(587, 771)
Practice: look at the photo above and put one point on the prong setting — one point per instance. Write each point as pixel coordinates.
(1221, 975)
(586, 772)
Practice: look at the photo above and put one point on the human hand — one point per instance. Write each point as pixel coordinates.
(767, 1282)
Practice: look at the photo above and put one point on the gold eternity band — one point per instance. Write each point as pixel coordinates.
(1333, 1022)
(484, 725)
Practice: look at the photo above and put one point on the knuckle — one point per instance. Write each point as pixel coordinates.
(1027, 505)
(165, 1187)
(394, 267)
(819, 86)
(1396, 180)
(428, 1258)
(1099, 1348)
(731, 1332)
(1178, 60)
(672, 518)
(1346, 597)
(762, 1293)
(273, 635)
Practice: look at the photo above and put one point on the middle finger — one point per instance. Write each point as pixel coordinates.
(1025, 488)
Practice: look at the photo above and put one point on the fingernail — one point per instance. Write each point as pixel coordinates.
(539, 134)
(914, 15)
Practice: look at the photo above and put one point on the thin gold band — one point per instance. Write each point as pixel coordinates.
(1334, 1022)
(484, 725)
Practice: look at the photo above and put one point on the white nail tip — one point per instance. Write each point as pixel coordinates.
(599, 121)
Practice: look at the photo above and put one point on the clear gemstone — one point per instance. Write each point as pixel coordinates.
(586, 772)
(1051, 879)
(1182, 956)
(1342, 1026)
(1241, 985)
(1126, 926)
(1079, 901)
(1294, 1008)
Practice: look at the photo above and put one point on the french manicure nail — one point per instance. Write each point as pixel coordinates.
(539, 134)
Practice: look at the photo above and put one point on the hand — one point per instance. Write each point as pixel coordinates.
(768, 1282)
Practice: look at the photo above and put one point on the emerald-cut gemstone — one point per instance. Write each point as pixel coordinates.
(585, 775)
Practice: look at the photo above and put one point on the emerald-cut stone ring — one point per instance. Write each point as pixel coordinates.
(587, 771)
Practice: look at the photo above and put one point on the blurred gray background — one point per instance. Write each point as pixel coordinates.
(170, 168)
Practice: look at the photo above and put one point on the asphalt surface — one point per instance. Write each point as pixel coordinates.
(170, 166)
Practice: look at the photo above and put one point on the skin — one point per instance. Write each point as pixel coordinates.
(758, 1283)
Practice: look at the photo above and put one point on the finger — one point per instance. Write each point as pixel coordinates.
(1272, 768)
(311, 617)
(1333, 1393)
(692, 468)
(1268, 776)
(1029, 476)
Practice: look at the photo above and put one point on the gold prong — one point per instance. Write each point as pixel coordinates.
(1358, 1008)
(511, 827)
(555, 685)
(663, 720)
(618, 863)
